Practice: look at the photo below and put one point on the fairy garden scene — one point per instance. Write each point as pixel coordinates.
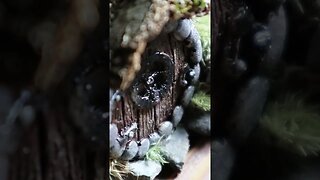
(262, 106)
(159, 89)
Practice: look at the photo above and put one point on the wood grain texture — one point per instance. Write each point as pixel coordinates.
(126, 112)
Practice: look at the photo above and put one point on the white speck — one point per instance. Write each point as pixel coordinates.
(150, 80)
(118, 98)
(192, 73)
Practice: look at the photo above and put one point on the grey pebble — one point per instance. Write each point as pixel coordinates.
(248, 108)
(130, 151)
(115, 150)
(165, 128)
(154, 138)
(194, 44)
(113, 132)
(201, 124)
(114, 145)
(196, 71)
(144, 169)
(144, 147)
(183, 29)
(177, 115)
(176, 147)
(187, 95)
(278, 28)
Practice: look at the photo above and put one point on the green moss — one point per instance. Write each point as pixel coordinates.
(155, 154)
(189, 8)
(188, 5)
(294, 124)
(202, 101)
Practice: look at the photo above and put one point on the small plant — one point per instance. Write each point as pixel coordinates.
(202, 101)
(294, 124)
(155, 154)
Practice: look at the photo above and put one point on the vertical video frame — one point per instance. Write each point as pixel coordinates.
(160, 89)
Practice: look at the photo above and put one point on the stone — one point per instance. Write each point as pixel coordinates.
(145, 168)
(177, 115)
(187, 95)
(183, 29)
(130, 151)
(175, 148)
(165, 128)
(144, 147)
(248, 108)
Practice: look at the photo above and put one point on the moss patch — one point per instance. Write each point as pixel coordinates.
(294, 124)
(202, 101)
(155, 154)
(189, 8)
